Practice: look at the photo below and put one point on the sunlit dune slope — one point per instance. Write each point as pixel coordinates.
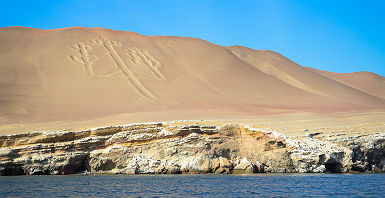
(77, 73)
(367, 82)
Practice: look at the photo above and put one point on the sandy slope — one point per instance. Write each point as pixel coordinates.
(80, 74)
(364, 81)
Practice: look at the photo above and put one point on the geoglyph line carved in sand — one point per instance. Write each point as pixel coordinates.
(142, 57)
(110, 50)
(82, 57)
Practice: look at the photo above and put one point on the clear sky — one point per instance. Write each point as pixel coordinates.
(332, 35)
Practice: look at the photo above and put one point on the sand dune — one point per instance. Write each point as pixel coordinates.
(367, 82)
(79, 74)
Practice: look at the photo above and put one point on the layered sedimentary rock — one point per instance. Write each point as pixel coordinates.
(164, 148)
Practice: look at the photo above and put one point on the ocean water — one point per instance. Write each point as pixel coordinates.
(259, 185)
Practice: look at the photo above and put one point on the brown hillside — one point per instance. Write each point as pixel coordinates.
(75, 74)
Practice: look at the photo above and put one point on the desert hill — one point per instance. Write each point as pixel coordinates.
(76, 74)
(367, 82)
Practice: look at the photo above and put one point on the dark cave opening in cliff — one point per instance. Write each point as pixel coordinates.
(333, 167)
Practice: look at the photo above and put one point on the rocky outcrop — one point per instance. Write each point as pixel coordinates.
(367, 152)
(244, 166)
(164, 148)
(339, 153)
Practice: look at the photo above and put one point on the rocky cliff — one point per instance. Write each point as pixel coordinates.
(164, 148)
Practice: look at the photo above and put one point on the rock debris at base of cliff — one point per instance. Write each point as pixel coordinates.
(161, 148)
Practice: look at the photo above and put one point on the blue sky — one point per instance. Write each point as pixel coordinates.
(332, 35)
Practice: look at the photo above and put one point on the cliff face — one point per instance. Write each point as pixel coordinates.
(163, 148)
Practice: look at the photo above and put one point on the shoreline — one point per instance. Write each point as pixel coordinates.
(209, 174)
(174, 148)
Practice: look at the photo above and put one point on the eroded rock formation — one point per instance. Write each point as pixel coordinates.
(162, 148)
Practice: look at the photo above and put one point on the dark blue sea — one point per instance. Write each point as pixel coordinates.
(259, 185)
